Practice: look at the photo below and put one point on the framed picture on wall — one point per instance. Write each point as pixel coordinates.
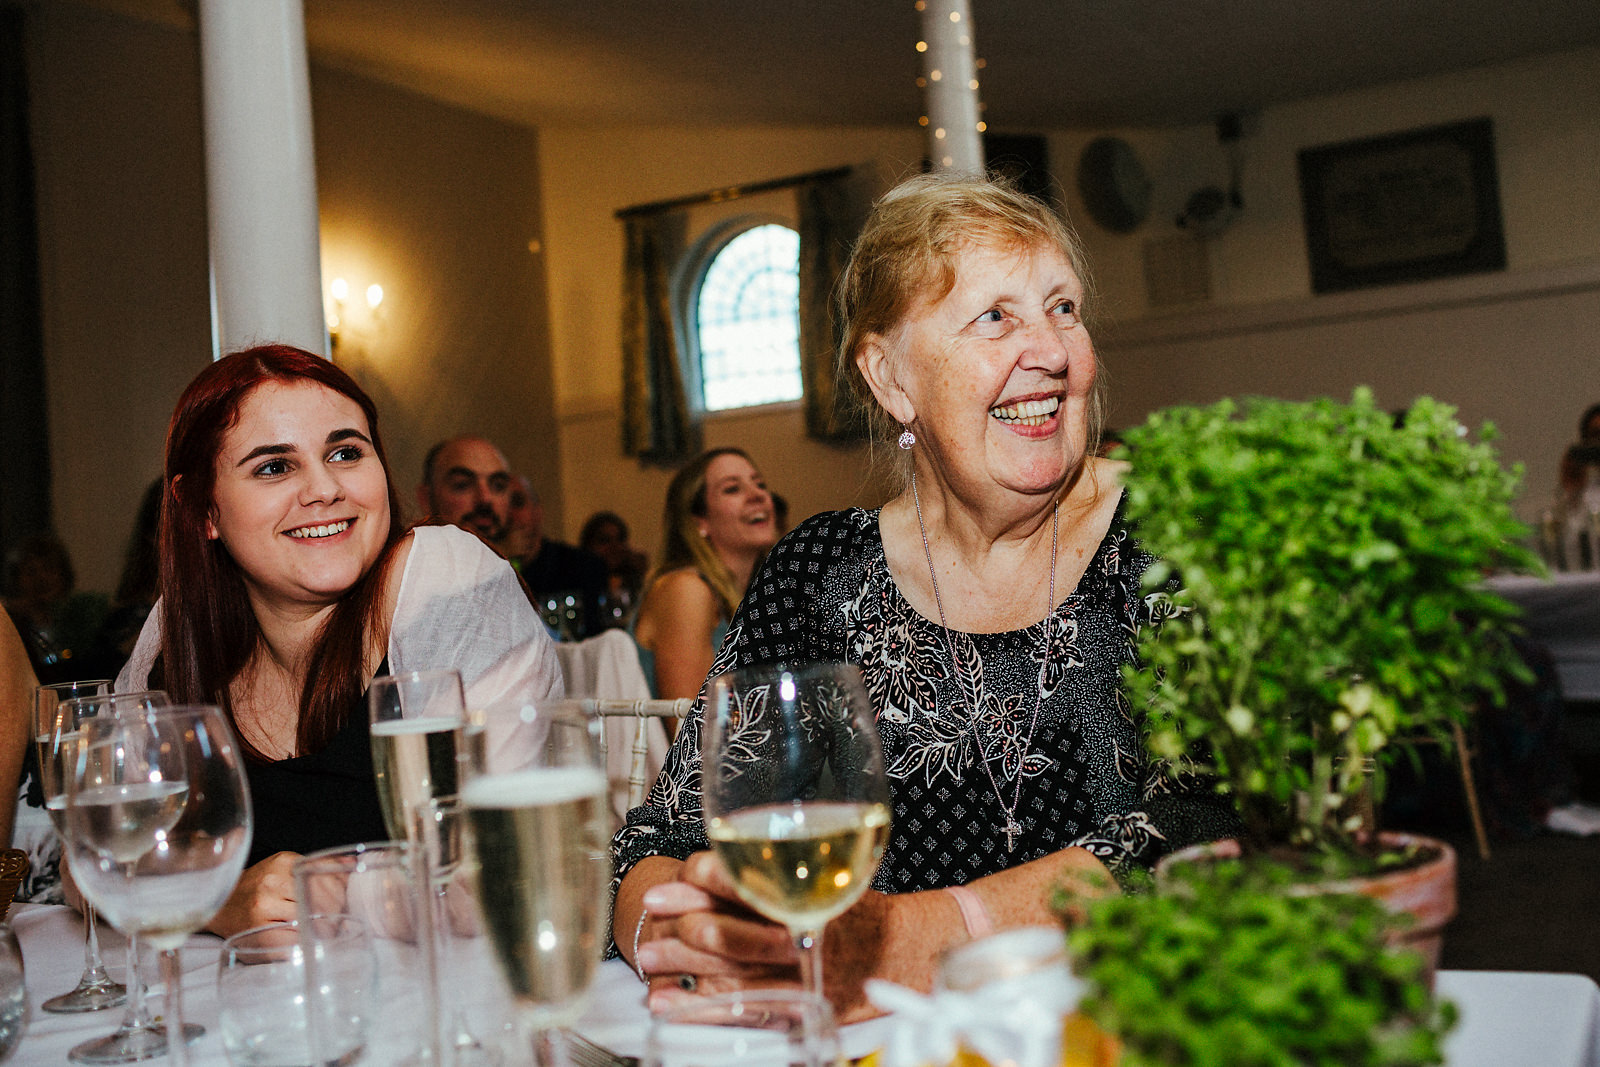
(1403, 207)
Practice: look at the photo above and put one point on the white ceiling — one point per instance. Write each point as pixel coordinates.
(1050, 63)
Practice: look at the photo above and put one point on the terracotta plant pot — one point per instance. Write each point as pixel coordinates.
(1427, 893)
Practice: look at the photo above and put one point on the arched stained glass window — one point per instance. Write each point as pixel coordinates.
(747, 320)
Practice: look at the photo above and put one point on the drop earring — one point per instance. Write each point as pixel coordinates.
(906, 439)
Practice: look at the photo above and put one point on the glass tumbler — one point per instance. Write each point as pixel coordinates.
(296, 992)
(771, 1027)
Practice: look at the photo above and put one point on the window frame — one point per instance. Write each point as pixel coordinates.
(687, 285)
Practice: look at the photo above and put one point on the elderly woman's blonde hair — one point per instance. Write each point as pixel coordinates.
(906, 255)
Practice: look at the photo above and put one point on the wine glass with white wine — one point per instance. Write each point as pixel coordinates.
(795, 796)
(538, 858)
(158, 828)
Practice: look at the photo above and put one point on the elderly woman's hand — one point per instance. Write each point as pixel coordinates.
(697, 927)
(264, 894)
(698, 937)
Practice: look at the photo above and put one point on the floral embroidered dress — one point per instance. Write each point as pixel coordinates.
(955, 743)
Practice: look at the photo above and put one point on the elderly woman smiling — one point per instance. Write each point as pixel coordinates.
(991, 606)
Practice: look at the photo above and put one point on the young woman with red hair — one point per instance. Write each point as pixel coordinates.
(287, 584)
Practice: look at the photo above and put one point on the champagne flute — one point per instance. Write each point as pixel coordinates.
(138, 1036)
(795, 796)
(158, 829)
(419, 730)
(538, 858)
(95, 989)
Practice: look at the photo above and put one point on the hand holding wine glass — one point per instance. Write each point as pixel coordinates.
(158, 827)
(795, 795)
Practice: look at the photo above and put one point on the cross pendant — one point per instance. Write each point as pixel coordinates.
(1011, 829)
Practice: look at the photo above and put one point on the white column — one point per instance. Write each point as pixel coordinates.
(261, 183)
(950, 86)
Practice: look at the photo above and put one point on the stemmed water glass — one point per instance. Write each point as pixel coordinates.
(537, 856)
(95, 989)
(795, 796)
(138, 1036)
(158, 829)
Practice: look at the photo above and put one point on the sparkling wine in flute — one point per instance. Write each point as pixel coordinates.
(415, 760)
(539, 842)
(801, 864)
(123, 821)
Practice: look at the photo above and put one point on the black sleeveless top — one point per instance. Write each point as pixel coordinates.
(322, 799)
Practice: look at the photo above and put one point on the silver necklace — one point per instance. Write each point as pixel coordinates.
(1012, 828)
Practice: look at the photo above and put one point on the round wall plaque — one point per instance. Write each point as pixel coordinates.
(1113, 184)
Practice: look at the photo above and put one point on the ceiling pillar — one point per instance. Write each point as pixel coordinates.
(261, 186)
(950, 86)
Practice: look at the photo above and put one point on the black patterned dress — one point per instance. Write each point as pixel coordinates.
(825, 593)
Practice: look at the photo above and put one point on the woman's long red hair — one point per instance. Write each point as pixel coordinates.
(208, 630)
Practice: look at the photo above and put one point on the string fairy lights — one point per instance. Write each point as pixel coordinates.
(949, 82)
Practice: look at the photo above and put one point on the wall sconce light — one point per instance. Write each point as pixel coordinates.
(339, 293)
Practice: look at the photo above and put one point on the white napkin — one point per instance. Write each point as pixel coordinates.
(1012, 1021)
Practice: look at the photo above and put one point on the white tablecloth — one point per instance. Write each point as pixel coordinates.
(1508, 1019)
(1562, 613)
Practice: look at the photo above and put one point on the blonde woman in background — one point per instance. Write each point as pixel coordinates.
(718, 526)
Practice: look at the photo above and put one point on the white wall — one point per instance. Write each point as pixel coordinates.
(1516, 348)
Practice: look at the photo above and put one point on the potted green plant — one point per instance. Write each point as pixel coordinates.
(1321, 576)
(1223, 968)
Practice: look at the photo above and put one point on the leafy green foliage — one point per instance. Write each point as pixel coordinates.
(1226, 968)
(1330, 603)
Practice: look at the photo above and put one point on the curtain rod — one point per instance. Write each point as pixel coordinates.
(733, 192)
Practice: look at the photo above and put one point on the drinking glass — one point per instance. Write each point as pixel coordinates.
(772, 1027)
(95, 989)
(138, 1036)
(419, 728)
(158, 829)
(538, 859)
(795, 796)
(473, 1011)
(297, 992)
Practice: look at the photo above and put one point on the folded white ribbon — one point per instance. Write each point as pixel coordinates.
(1013, 1022)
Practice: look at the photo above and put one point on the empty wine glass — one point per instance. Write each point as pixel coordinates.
(538, 858)
(95, 989)
(158, 828)
(796, 799)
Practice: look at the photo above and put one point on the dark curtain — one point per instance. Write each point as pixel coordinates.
(830, 218)
(658, 425)
(24, 431)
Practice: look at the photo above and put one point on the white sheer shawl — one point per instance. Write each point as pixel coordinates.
(460, 606)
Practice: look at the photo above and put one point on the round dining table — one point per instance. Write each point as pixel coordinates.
(1508, 1019)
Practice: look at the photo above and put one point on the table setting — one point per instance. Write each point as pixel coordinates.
(475, 937)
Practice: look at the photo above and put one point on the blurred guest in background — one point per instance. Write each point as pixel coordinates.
(718, 525)
(574, 579)
(137, 589)
(606, 535)
(466, 482)
(288, 583)
(58, 626)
